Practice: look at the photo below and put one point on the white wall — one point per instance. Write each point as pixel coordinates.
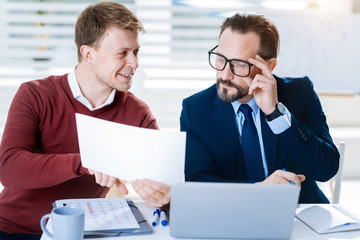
(175, 60)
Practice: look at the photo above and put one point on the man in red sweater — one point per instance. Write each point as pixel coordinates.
(39, 152)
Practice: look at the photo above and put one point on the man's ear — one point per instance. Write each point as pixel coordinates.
(86, 53)
(272, 62)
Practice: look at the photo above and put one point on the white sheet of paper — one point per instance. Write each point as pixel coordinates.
(130, 153)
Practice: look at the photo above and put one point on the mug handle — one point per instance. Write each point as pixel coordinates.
(43, 225)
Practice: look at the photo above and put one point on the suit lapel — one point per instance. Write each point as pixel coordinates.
(270, 142)
(224, 118)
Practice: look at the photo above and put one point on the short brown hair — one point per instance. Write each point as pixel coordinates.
(96, 18)
(264, 27)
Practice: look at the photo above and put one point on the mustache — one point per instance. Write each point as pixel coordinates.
(227, 82)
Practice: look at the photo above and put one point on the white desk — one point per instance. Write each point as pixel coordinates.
(300, 230)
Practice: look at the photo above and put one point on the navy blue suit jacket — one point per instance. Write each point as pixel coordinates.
(213, 149)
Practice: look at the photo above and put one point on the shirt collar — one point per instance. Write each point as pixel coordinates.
(236, 104)
(75, 89)
(74, 86)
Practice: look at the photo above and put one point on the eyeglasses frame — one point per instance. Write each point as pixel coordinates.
(229, 61)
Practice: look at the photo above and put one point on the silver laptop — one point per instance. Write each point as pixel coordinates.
(232, 210)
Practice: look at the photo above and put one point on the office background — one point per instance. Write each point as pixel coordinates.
(319, 38)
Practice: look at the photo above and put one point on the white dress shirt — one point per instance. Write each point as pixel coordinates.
(75, 89)
(277, 126)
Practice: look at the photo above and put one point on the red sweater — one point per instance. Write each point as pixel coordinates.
(39, 151)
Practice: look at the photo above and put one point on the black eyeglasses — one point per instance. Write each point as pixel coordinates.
(238, 67)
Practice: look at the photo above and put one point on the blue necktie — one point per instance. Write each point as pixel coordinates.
(251, 146)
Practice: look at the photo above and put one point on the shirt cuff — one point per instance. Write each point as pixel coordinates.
(280, 124)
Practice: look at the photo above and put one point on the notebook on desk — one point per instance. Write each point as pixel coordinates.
(232, 210)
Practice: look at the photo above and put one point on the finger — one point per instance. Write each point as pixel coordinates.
(253, 83)
(301, 177)
(160, 193)
(163, 198)
(293, 177)
(98, 177)
(259, 58)
(295, 181)
(259, 84)
(261, 64)
(161, 187)
(111, 182)
(139, 189)
(121, 187)
(150, 195)
(280, 181)
(274, 179)
(282, 177)
(262, 78)
(104, 180)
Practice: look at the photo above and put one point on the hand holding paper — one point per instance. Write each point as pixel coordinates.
(130, 153)
(153, 193)
(109, 181)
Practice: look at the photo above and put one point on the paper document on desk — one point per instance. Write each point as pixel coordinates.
(103, 213)
(130, 153)
(327, 219)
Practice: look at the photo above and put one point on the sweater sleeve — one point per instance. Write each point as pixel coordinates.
(149, 121)
(22, 161)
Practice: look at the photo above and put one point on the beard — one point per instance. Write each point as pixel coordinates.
(223, 93)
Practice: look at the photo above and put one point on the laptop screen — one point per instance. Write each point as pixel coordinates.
(232, 210)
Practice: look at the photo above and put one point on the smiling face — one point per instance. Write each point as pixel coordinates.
(235, 45)
(114, 59)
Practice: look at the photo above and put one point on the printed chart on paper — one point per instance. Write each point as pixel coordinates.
(103, 213)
